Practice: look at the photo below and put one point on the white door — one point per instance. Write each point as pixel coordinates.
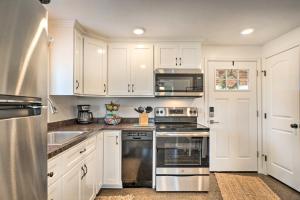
(166, 56)
(119, 70)
(283, 111)
(99, 168)
(95, 65)
(190, 56)
(78, 63)
(89, 180)
(112, 159)
(142, 81)
(71, 183)
(233, 135)
(54, 191)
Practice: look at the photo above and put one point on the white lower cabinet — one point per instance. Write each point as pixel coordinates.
(88, 191)
(100, 162)
(112, 159)
(74, 174)
(55, 191)
(71, 183)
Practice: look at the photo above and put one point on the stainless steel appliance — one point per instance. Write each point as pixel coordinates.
(85, 116)
(23, 100)
(182, 150)
(179, 82)
(137, 158)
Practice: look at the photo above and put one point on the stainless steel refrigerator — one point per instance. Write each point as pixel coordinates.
(23, 100)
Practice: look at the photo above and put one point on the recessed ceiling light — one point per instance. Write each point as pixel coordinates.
(139, 31)
(247, 31)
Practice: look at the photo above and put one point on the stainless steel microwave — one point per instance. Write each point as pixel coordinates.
(179, 83)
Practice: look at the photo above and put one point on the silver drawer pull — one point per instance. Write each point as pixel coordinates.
(84, 150)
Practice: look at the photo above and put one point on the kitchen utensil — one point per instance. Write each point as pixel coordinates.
(149, 109)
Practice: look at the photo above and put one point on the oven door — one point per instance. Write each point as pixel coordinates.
(189, 85)
(182, 150)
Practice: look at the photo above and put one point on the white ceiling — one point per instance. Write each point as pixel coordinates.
(213, 21)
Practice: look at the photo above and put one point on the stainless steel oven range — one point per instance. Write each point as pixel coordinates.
(182, 150)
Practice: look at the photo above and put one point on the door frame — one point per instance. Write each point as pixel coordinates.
(264, 103)
(260, 142)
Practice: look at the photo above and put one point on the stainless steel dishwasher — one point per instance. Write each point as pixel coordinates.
(137, 150)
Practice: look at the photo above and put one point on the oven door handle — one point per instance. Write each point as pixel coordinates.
(182, 134)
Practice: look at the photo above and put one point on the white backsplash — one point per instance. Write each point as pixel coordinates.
(67, 105)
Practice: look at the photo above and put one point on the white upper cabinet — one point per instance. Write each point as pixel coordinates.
(166, 55)
(142, 70)
(130, 70)
(65, 57)
(78, 62)
(94, 67)
(178, 55)
(119, 70)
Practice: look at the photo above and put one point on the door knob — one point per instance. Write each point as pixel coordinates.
(295, 126)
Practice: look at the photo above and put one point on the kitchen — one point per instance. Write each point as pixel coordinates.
(149, 99)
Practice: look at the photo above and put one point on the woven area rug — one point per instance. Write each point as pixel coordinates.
(238, 187)
(126, 197)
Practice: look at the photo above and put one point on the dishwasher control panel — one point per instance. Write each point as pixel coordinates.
(137, 135)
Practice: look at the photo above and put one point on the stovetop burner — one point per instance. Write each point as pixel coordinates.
(177, 119)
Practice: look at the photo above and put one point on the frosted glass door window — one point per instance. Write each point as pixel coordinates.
(231, 79)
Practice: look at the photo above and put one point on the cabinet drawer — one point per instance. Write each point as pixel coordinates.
(55, 169)
(90, 144)
(73, 156)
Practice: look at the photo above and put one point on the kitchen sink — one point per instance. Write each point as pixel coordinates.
(62, 137)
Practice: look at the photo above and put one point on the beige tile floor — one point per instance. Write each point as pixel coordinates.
(283, 191)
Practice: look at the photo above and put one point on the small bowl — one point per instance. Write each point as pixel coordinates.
(112, 120)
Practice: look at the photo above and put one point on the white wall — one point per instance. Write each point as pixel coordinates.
(67, 104)
(240, 52)
(282, 43)
(66, 107)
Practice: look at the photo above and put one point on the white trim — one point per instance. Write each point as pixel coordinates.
(261, 167)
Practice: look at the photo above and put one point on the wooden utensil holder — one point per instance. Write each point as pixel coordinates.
(144, 119)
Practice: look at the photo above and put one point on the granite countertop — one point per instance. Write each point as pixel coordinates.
(89, 130)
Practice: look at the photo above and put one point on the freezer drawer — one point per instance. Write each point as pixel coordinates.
(23, 157)
(183, 183)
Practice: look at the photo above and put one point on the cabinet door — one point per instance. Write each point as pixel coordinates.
(78, 63)
(99, 159)
(112, 159)
(71, 183)
(88, 183)
(119, 70)
(142, 70)
(166, 56)
(54, 191)
(190, 56)
(95, 66)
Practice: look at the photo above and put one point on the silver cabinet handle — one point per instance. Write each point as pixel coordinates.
(176, 61)
(128, 87)
(82, 169)
(84, 150)
(77, 84)
(180, 61)
(117, 138)
(132, 87)
(86, 168)
(51, 174)
(104, 87)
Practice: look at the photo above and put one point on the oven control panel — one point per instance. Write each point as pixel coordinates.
(176, 112)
